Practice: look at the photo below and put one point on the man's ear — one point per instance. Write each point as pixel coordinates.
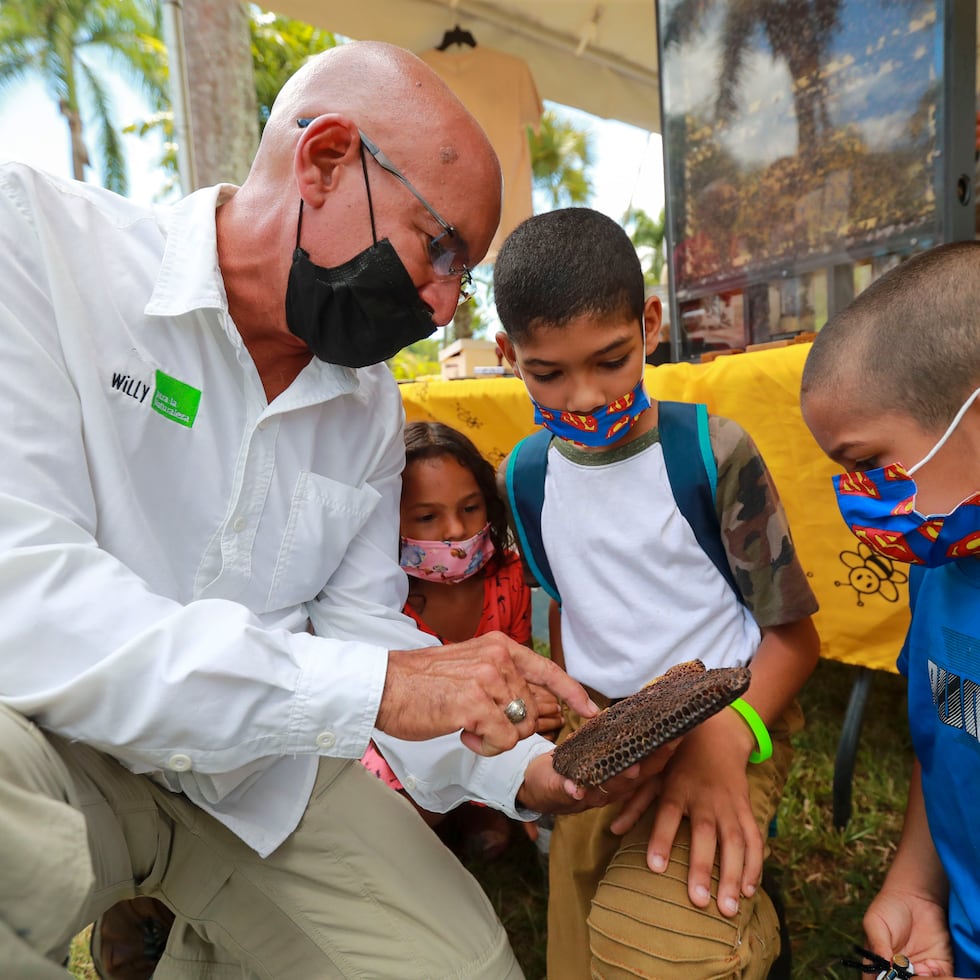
(652, 318)
(328, 146)
(506, 348)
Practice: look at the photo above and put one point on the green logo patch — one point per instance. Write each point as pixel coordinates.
(176, 400)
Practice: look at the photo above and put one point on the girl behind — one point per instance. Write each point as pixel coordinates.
(464, 580)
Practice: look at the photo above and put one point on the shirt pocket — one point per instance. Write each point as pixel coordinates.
(324, 517)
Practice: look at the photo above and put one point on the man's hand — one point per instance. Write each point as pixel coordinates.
(909, 922)
(545, 790)
(437, 690)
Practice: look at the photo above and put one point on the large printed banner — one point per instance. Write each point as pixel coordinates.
(863, 598)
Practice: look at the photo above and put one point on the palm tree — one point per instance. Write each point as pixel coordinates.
(68, 44)
(561, 156)
(647, 235)
(798, 31)
(280, 47)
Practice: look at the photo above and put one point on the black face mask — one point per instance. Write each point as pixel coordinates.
(358, 313)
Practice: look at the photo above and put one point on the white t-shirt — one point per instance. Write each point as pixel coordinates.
(638, 592)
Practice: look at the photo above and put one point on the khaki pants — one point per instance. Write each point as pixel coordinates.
(610, 917)
(362, 888)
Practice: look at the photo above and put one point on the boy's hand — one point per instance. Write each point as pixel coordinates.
(438, 690)
(905, 921)
(706, 782)
(550, 718)
(547, 791)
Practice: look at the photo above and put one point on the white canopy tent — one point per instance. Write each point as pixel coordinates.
(599, 57)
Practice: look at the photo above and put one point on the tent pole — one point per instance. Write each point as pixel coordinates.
(173, 33)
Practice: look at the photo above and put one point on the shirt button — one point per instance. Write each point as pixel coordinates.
(180, 762)
(239, 524)
(326, 740)
(262, 424)
(409, 782)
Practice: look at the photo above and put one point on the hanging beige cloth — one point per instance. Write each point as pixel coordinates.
(499, 90)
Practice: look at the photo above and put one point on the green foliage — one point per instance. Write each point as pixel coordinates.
(416, 361)
(280, 47)
(647, 235)
(561, 158)
(67, 44)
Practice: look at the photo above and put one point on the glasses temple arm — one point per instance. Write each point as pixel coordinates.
(386, 164)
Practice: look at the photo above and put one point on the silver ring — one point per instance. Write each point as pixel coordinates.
(516, 711)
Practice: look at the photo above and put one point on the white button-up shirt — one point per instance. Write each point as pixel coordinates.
(166, 533)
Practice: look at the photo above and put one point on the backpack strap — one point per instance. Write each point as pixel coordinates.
(693, 476)
(691, 470)
(526, 469)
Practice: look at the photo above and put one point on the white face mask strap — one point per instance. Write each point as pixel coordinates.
(945, 437)
(643, 347)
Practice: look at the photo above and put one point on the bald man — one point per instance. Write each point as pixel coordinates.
(200, 614)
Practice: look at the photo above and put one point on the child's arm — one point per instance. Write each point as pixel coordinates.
(554, 633)
(706, 780)
(908, 915)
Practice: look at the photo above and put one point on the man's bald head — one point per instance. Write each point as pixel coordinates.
(392, 95)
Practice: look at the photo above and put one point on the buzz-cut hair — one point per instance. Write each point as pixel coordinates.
(910, 341)
(562, 265)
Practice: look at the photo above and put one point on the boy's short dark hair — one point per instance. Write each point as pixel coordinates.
(565, 264)
(911, 340)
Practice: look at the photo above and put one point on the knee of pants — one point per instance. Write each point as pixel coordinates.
(47, 869)
(642, 924)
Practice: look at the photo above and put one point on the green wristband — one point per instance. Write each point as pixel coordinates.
(758, 727)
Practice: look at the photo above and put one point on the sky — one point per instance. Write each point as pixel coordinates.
(628, 168)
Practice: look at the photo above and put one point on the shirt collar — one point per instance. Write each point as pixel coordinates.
(189, 277)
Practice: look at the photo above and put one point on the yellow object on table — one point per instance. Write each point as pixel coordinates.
(863, 598)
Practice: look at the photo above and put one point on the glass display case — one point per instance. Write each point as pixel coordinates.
(808, 145)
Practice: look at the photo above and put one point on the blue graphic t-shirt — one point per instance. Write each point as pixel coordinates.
(941, 659)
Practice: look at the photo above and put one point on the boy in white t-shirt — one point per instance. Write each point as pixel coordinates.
(638, 595)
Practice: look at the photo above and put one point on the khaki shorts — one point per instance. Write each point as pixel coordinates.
(362, 888)
(610, 917)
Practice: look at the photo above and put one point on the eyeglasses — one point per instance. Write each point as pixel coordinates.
(447, 251)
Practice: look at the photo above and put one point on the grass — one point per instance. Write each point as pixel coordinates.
(828, 876)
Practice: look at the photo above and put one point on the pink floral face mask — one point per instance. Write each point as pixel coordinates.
(446, 561)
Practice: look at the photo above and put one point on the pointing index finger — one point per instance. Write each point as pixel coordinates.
(540, 670)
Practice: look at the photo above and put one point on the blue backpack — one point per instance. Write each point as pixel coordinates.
(691, 470)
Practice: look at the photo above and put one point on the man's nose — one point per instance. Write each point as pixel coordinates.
(442, 297)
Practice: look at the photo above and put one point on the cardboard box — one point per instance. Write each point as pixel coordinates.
(462, 357)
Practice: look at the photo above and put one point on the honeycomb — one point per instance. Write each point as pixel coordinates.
(666, 708)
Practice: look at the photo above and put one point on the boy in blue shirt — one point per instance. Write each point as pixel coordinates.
(676, 896)
(890, 392)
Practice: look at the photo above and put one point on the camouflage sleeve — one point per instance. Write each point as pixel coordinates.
(755, 531)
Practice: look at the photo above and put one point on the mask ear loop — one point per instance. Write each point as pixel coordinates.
(367, 185)
(945, 437)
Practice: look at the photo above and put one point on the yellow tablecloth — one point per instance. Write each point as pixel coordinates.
(863, 606)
